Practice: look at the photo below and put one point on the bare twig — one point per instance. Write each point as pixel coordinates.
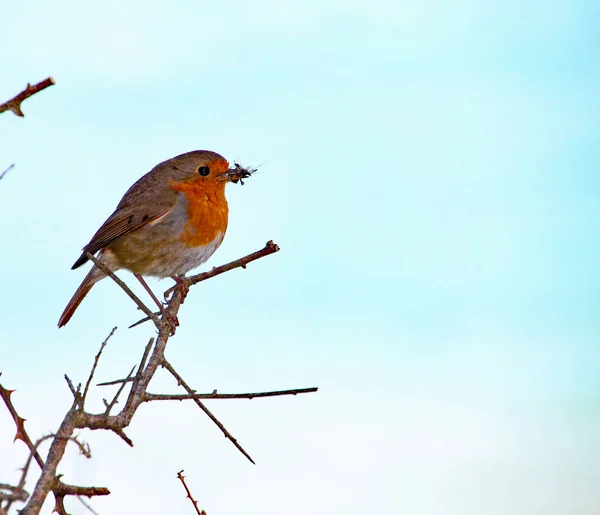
(140, 370)
(14, 104)
(88, 491)
(84, 449)
(189, 494)
(119, 391)
(138, 374)
(71, 387)
(214, 395)
(227, 434)
(80, 499)
(49, 481)
(117, 381)
(12, 493)
(121, 434)
(269, 248)
(61, 490)
(89, 381)
(140, 322)
(107, 271)
(6, 171)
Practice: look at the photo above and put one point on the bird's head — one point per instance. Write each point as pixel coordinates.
(205, 167)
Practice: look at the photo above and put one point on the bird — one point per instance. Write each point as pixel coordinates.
(169, 222)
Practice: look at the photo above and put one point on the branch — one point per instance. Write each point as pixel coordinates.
(14, 104)
(48, 480)
(74, 391)
(117, 381)
(110, 405)
(6, 171)
(270, 248)
(189, 494)
(20, 423)
(87, 384)
(61, 490)
(13, 493)
(153, 358)
(84, 449)
(94, 512)
(214, 395)
(141, 366)
(107, 271)
(227, 434)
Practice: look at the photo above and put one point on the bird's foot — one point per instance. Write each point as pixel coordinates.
(173, 321)
(181, 285)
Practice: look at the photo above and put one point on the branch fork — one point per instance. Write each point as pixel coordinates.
(152, 358)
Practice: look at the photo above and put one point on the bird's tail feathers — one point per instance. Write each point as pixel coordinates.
(94, 275)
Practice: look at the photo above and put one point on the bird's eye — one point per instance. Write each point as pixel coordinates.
(204, 170)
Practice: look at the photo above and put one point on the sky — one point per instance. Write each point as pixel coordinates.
(430, 171)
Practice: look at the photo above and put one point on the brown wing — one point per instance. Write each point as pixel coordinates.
(117, 225)
(146, 201)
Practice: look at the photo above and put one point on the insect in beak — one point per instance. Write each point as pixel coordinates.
(237, 173)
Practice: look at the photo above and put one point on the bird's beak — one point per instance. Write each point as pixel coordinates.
(237, 173)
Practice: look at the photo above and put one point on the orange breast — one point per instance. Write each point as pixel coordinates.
(206, 209)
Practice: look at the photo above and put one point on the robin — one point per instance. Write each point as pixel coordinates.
(169, 222)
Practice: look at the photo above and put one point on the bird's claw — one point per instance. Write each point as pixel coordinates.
(173, 322)
(181, 285)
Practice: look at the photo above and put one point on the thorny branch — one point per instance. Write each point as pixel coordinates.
(20, 423)
(214, 395)
(189, 494)
(201, 405)
(10, 494)
(153, 358)
(269, 248)
(84, 449)
(19, 494)
(54, 484)
(14, 104)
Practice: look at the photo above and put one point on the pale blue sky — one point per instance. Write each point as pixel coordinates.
(431, 174)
